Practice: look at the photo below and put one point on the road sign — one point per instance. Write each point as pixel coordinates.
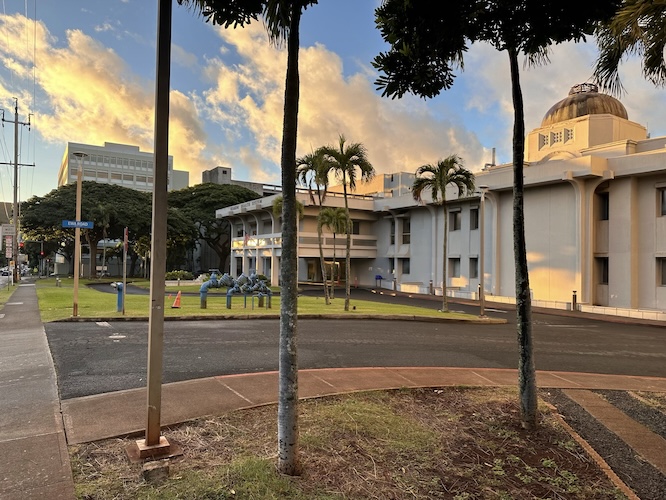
(7, 230)
(81, 224)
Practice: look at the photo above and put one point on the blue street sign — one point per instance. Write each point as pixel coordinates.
(81, 224)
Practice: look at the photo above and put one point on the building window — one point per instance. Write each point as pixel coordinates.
(455, 220)
(239, 265)
(406, 231)
(602, 268)
(568, 134)
(356, 227)
(392, 231)
(604, 206)
(454, 267)
(555, 137)
(116, 177)
(543, 141)
(239, 231)
(128, 177)
(473, 267)
(140, 178)
(474, 218)
(661, 200)
(405, 266)
(661, 271)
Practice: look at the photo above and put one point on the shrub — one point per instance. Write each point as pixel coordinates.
(179, 275)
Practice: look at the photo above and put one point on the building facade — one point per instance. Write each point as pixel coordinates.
(119, 164)
(595, 221)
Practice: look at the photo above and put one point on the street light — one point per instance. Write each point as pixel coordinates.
(77, 232)
(482, 251)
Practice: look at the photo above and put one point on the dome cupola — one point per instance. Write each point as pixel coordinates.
(583, 99)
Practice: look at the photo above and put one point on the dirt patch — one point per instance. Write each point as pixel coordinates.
(424, 443)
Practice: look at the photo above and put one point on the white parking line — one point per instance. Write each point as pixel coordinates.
(103, 323)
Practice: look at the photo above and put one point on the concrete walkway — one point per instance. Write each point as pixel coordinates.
(34, 462)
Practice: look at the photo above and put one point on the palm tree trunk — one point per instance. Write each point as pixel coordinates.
(348, 246)
(335, 268)
(526, 370)
(321, 260)
(288, 461)
(445, 298)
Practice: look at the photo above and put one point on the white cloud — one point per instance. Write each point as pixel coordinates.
(93, 96)
(399, 134)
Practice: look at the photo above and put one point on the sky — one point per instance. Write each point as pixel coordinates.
(84, 70)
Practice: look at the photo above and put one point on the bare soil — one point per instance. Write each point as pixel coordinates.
(452, 443)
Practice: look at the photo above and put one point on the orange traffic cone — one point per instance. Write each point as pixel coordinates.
(176, 303)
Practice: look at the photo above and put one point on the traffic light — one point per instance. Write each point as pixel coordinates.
(21, 245)
(41, 254)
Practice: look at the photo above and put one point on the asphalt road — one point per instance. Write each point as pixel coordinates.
(92, 358)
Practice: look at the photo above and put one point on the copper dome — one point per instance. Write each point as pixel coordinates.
(584, 99)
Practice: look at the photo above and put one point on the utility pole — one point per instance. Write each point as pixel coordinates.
(15, 211)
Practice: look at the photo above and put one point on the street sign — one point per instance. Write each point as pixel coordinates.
(81, 224)
(7, 230)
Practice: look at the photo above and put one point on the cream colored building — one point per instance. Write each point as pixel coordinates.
(119, 164)
(595, 215)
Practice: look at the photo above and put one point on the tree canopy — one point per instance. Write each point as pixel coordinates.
(197, 204)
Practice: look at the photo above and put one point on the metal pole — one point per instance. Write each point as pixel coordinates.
(77, 233)
(158, 240)
(482, 251)
(15, 242)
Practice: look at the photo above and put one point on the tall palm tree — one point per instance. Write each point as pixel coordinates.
(435, 178)
(638, 27)
(312, 171)
(336, 220)
(344, 160)
(282, 19)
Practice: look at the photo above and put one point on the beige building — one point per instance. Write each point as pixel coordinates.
(119, 164)
(595, 215)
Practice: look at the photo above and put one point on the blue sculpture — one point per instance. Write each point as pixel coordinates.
(246, 285)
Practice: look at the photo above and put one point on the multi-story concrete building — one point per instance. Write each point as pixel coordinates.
(222, 175)
(595, 215)
(119, 164)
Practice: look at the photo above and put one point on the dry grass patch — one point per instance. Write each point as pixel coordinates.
(426, 443)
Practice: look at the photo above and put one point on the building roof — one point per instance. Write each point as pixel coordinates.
(583, 99)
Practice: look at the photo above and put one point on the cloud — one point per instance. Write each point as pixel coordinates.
(399, 134)
(92, 96)
(105, 26)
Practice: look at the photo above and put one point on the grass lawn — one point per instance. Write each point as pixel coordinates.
(55, 303)
(454, 443)
(5, 293)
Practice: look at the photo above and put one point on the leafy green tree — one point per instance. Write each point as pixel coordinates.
(427, 45)
(435, 178)
(282, 19)
(312, 172)
(198, 205)
(336, 220)
(638, 27)
(41, 217)
(344, 160)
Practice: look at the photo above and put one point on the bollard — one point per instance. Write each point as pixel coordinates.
(228, 301)
(574, 301)
(203, 296)
(260, 301)
(119, 290)
(58, 282)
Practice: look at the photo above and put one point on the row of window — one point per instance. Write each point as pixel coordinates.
(555, 137)
(454, 267)
(112, 161)
(114, 176)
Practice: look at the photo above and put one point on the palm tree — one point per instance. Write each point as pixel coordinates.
(312, 171)
(435, 178)
(336, 220)
(637, 28)
(282, 19)
(344, 160)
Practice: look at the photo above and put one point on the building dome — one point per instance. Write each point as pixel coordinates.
(584, 99)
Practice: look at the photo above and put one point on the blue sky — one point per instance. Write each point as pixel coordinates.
(85, 70)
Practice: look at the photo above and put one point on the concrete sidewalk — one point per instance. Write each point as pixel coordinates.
(91, 418)
(34, 462)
